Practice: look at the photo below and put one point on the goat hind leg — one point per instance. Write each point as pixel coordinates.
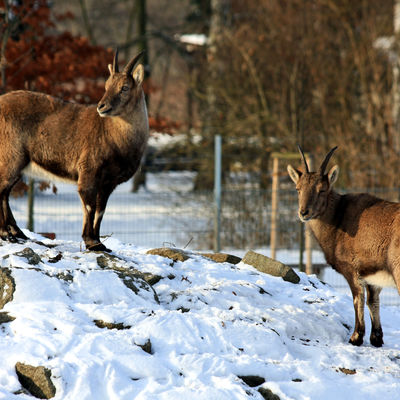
(376, 337)
(88, 199)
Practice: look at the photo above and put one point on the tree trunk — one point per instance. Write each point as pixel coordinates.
(86, 22)
(141, 14)
(4, 40)
(218, 22)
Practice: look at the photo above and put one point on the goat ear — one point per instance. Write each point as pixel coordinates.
(138, 74)
(333, 174)
(293, 173)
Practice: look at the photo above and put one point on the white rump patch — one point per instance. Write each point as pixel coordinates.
(380, 279)
(34, 170)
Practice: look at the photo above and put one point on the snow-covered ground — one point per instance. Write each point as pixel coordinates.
(212, 324)
(154, 217)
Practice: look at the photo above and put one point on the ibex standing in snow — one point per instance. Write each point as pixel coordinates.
(359, 235)
(96, 148)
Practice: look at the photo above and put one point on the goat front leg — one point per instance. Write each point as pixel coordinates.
(4, 233)
(101, 203)
(357, 290)
(376, 337)
(88, 198)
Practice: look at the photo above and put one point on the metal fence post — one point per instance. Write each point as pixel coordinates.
(217, 192)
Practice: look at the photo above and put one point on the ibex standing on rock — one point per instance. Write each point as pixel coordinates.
(359, 235)
(96, 148)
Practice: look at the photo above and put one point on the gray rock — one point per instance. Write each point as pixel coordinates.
(147, 347)
(32, 257)
(268, 394)
(4, 317)
(106, 260)
(131, 277)
(171, 253)
(36, 380)
(270, 266)
(111, 325)
(222, 257)
(252, 380)
(7, 286)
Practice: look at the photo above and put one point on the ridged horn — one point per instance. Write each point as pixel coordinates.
(115, 62)
(131, 64)
(326, 161)
(304, 159)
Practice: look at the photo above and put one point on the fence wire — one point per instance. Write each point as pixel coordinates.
(186, 219)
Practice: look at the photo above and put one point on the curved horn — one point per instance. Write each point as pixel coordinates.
(326, 161)
(129, 67)
(115, 62)
(304, 159)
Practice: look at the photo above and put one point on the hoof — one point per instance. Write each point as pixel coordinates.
(376, 339)
(98, 247)
(356, 340)
(21, 236)
(8, 237)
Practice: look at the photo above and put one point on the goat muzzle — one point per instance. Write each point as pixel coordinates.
(305, 214)
(103, 109)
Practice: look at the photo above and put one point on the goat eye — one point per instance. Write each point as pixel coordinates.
(125, 88)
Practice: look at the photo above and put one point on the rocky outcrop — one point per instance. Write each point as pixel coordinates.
(131, 277)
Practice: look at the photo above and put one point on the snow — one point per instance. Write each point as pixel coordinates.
(213, 323)
(197, 39)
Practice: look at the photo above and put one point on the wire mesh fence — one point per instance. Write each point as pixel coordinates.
(186, 219)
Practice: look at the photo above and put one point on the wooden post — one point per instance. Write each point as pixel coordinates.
(274, 206)
(301, 246)
(308, 237)
(308, 234)
(396, 78)
(305, 234)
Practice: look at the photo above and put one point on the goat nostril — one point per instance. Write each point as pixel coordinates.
(101, 106)
(304, 213)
